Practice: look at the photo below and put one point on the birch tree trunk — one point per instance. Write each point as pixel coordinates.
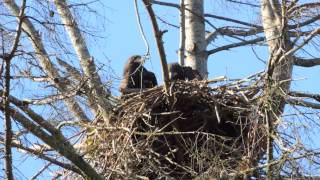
(279, 70)
(196, 56)
(276, 32)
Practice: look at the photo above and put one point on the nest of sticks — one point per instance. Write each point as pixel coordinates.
(195, 130)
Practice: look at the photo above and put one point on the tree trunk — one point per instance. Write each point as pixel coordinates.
(276, 32)
(196, 56)
(279, 70)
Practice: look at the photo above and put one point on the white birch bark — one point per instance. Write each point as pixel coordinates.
(182, 33)
(274, 26)
(86, 61)
(45, 61)
(279, 69)
(196, 56)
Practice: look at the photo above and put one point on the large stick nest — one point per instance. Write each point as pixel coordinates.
(193, 131)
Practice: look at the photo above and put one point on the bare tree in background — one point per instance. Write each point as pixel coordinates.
(34, 49)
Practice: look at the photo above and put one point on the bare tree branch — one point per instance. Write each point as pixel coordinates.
(41, 171)
(19, 30)
(303, 6)
(55, 141)
(303, 103)
(305, 23)
(37, 118)
(306, 95)
(165, 4)
(86, 60)
(243, 43)
(71, 70)
(7, 128)
(41, 155)
(307, 62)
(45, 62)
(232, 20)
(143, 34)
(74, 73)
(231, 32)
(5, 95)
(210, 37)
(296, 48)
(244, 3)
(158, 36)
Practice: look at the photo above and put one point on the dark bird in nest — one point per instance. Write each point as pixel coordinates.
(135, 76)
(178, 72)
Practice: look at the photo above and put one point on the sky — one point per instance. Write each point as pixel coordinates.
(117, 23)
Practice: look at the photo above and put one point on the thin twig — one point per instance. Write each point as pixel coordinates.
(40, 171)
(143, 35)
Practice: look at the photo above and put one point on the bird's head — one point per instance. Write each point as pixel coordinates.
(135, 59)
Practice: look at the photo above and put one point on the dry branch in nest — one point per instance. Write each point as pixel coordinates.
(196, 130)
